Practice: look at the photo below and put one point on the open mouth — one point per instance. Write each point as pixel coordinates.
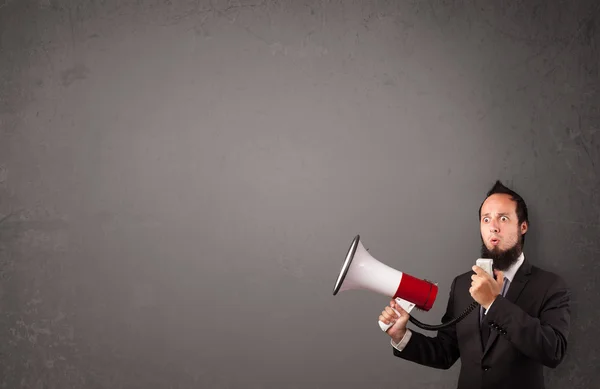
(494, 241)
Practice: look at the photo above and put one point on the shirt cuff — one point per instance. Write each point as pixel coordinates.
(488, 308)
(402, 343)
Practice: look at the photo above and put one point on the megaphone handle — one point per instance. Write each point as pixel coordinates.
(406, 305)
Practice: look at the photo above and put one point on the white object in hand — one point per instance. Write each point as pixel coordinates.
(406, 305)
(486, 264)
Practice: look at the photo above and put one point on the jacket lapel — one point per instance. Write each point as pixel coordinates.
(513, 293)
(476, 323)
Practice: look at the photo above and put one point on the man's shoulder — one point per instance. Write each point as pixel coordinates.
(548, 277)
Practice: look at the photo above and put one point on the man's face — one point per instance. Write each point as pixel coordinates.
(501, 231)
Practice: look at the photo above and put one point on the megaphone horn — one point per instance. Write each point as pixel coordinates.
(361, 271)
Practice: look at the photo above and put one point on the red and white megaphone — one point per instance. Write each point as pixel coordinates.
(361, 271)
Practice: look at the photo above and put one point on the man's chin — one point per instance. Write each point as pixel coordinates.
(492, 252)
(503, 259)
(495, 250)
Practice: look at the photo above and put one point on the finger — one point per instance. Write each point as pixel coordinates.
(386, 312)
(500, 282)
(391, 312)
(390, 318)
(499, 275)
(384, 320)
(480, 272)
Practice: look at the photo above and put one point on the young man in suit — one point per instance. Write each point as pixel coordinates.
(522, 323)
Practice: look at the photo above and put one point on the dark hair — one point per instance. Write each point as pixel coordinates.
(521, 206)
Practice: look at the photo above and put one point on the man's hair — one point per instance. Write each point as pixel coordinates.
(521, 206)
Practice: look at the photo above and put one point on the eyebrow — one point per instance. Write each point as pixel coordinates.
(499, 214)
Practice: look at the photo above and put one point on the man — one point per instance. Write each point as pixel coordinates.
(522, 323)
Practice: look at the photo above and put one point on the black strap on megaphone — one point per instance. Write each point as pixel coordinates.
(431, 327)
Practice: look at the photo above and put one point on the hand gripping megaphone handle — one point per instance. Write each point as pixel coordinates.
(406, 305)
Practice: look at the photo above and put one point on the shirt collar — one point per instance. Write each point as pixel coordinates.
(512, 270)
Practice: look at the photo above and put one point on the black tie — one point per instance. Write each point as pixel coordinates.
(484, 327)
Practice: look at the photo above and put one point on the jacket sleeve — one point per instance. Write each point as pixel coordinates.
(439, 352)
(542, 338)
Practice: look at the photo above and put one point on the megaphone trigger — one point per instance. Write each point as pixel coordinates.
(406, 305)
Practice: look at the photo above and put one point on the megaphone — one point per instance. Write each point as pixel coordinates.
(361, 270)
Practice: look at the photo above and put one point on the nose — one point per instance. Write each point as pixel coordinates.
(494, 227)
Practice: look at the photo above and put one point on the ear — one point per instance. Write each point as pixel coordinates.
(524, 227)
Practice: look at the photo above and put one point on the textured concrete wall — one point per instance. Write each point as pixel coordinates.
(180, 180)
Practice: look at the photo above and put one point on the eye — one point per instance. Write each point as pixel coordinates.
(504, 218)
(486, 219)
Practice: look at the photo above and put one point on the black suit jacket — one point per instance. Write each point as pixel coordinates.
(529, 330)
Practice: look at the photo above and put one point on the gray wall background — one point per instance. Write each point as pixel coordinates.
(180, 180)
